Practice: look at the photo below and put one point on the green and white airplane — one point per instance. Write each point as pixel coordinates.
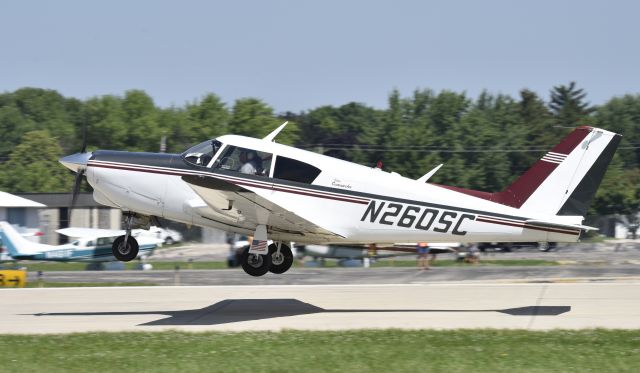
(95, 248)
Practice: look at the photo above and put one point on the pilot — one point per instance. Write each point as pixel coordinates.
(251, 162)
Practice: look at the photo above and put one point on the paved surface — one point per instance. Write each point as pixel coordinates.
(342, 276)
(321, 307)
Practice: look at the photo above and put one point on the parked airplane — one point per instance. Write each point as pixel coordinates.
(271, 191)
(377, 251)
(84, 249)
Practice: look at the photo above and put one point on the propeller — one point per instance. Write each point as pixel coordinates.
(80, 171)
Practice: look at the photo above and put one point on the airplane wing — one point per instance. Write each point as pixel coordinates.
(90, 232)
(227, 202)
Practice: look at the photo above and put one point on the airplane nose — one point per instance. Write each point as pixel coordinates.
(76, 162)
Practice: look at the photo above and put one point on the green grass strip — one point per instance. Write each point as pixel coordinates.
(343, 351)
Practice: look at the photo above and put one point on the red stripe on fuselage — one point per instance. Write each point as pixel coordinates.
(243, 182)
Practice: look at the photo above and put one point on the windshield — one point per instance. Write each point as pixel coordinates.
(202, 153)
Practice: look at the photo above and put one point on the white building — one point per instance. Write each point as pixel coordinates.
(20, 211)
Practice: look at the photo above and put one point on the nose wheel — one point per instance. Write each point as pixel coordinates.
(125, 252)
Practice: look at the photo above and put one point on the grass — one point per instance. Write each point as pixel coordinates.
(305, 351)
(58, 266)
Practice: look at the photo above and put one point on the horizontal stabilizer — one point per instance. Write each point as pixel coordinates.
(560, 225)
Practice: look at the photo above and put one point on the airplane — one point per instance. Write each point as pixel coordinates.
(96, 248)
(378, 251)
(271, 191)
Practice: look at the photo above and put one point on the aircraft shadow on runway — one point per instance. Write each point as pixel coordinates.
(237, 310)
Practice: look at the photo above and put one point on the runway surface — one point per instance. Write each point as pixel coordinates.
(322, 307)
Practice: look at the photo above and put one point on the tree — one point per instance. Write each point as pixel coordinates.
(141, 117)
(619, 192)
(252, 117)
(106, 123)
(622, 115)
(29, 109)
(33, 166)
(202, 120)
(568, 106)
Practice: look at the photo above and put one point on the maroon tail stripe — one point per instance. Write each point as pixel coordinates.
(516, 194)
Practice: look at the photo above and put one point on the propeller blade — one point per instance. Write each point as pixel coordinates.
(76, 190)
(84, 139)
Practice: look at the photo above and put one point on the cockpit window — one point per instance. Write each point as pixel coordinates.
(246, 161)
(202, 153)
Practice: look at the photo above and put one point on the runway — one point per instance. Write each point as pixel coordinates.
(533, 306)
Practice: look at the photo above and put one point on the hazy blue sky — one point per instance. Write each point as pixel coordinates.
(298, 55)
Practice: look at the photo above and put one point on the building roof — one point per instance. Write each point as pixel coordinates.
(56, 200)
(10, 200)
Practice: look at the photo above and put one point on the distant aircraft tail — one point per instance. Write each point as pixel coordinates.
(565, 180)
(14, 242)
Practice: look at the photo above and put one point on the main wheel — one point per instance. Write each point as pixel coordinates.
(122, 252)
(282, 261)
(255, 264)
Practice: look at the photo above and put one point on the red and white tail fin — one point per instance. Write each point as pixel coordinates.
(565, 180)
(570, 173)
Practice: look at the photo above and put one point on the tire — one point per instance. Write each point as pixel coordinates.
(125, 253)
(280, 263)
(169, 241)
(254, 264)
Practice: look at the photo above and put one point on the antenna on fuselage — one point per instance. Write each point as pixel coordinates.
(428, 175)
(275, 132)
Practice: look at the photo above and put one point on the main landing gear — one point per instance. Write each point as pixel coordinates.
(125, 248)
(278, 260)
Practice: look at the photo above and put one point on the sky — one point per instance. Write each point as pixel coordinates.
(299, 55)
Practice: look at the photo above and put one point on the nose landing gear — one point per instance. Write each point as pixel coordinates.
(125, 248)
(125, 252)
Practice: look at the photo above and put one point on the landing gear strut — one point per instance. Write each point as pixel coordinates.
(282, 259)
(125, 248)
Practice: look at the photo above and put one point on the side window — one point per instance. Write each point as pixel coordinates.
(246, 161)
(293, 170)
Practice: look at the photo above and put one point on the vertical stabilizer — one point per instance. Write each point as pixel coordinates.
(565, 180)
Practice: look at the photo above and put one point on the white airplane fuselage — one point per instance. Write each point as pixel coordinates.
(357, 204)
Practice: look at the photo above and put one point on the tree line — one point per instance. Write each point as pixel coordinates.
(484, 142)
